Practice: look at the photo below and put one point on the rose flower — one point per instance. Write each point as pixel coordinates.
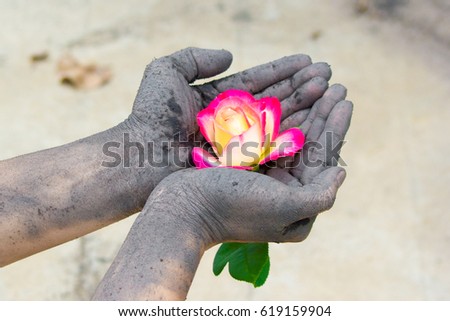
(243, 132)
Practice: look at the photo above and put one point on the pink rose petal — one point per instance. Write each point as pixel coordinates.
(205, 120)
(243, 96)
(270, 109)
(286, 144)
(203, 159)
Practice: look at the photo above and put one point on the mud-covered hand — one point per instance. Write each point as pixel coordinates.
(167, 101)
(325, 126)
(229, 205)
(191, 210)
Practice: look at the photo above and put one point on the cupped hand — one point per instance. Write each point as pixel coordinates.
(281, 206)
(167, 102)
(324, 126)
(192, 210)
(232, 205)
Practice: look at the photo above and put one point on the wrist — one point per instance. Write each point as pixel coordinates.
(160, 256)
(174, 204)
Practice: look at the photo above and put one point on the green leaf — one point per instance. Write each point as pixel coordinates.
(247, 262)
(263, 274)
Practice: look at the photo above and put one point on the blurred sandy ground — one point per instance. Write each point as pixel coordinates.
(388, 236)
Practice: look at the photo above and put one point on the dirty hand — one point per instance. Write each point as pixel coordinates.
(226, 204)
(167, 102)
(325, 126)
(192, 210)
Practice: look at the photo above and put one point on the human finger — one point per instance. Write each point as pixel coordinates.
(286, 87)
(304, 97)
(259, 78)
(326, 150)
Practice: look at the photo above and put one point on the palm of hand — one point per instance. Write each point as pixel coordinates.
(168, 103)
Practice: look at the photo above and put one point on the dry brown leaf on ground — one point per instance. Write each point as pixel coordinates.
(82, 76)
(39, 56)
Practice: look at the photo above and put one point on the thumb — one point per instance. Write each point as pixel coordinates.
(197, 63)
(320, 194)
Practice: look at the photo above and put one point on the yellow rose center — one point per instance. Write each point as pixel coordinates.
(235, 121)
(232, 119)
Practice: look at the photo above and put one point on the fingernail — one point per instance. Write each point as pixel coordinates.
(341, 177)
